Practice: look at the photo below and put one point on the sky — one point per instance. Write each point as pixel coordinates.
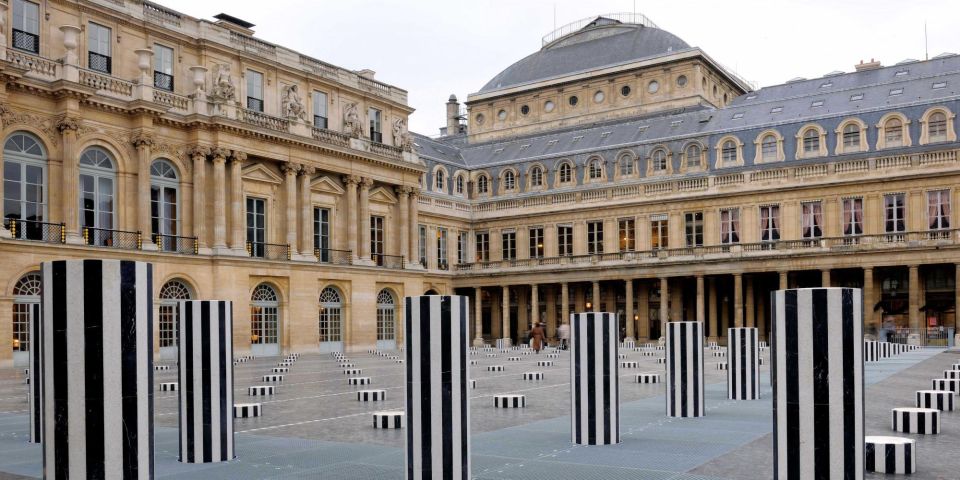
(433, 48)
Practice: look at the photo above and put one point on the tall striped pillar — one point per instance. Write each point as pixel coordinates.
(438, 403)
(36, 374)
(97, 369)
(817, 379)
(594, 379)
(206, 381)
(743, 364)
(684, 358)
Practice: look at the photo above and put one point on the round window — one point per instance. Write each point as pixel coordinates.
(480, 118)
(525, 109)
(548, 106)
(502, 114)
(598, 97)
(625, 90)
(573, 100)
(653, 86)
(682, 81)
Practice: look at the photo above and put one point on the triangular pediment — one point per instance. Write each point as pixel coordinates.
(326, 184)
(259, 172)
(382, 195)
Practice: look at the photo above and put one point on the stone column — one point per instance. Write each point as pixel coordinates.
(914, 296)
(749, 301)
(825, 278)
(414, 227)
(551, 312)
(206, 381)
(643, 314)
(478, 316)
(743, 364)
(143, 143)
(219, 199)
(199, 156)
(237, 223)
(684, 358)
(664, 302)
(869, 300)
(437, 399)
(712, 308)
(351, 181)
(403, 194)
(628, 311)
(817, 377)
(594, 383)
(701, 311)
(363, 220)
(737, 300)
(36, 394)
(534, 305)
(564, 303)
(97, 369)
(784, 280)
(69, 187)
(676, 300)
(596, 296)
(306, 213)
(505, 315)
(290, 171)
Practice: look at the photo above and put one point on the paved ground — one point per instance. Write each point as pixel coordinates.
(314, 427)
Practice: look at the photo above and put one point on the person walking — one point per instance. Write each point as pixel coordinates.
(536, 337)
(564, 331)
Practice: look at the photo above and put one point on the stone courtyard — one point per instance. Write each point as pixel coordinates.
(314, 427)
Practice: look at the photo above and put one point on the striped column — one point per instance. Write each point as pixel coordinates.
(36, 374)
(817, 377)
(437, 401)
(684, 362)
(743, 364)
(206, 381)
(97, 369)
(594, 379)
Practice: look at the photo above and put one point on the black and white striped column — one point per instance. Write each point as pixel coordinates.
(206, 381)
(437, 401)
(891, 455)
(35, 374)
(594, 379)
(684, 363)
(743, 364)
(817, 378)
(97, 369)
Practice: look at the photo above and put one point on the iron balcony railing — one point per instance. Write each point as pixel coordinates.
(38, 231)
(163, 81)
(105, 237)
(269, 251)
(28, 42)
(334, 257)
(99, 63)
(175, 244)
(387, 261)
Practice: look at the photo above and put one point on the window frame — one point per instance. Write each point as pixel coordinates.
(375, 117)
(811, 229)
(94, 45)
(769, 232)
(319, 98)
(693, 229)
(595, 237)
(564, 240)
(254, 87)
(659, 231)
(627, 234)
(894, 213)
(256, 242)
(536, 242)
(733, 225)
(482, 246)
(508, 245)
(162, 79)
(28, 28)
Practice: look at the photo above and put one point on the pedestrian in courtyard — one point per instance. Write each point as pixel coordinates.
(536, 337)
(564, 335)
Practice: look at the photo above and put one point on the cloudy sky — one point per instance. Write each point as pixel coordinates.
(433, 48)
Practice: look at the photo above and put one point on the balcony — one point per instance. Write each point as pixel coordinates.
(175, 244)
(37, 231)
(269, 251)
(107, 238)
(333, 257)
(387, 261)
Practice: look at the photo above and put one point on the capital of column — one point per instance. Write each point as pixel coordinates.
(201, 151)
(414, 192)
(351, 179)
(67, 124)
(366, 183)
(142, 140)
(306, 170)
(402, 190)
(238, 157)
(290, 169)
(219, 154)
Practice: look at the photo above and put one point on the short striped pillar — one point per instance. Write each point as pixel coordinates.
(684, 362)
(206, 381)
(817, 378)
(437, 401)
(35, 374)
(594, 379)
(891, 455)
(97, 369)
(743, 364)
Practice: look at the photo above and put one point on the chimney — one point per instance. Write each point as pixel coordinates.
(453, 115)
(873, 65)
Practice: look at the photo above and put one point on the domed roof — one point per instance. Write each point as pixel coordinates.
(602, 42)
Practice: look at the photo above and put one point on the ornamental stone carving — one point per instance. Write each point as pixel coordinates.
(401, 136)
(292, 105)
(219, 154)
(199, 151)
(352, 124)
(65, 124)
(238, 156)
(351, 179)
(223, 89)
(141, 140)
(290, 168)
(307, 170)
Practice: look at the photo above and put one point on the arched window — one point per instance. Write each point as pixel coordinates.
(937, 127)
(536, 176)
(658, 160)
(386, 316)
(264, 317)
(566, 173)
(331, 315)
(596, 169)
(25, 179)
(768, 148)
(459, 184)
(482, 184)
(26, 297)
(694, 154)
(811, 142)
(170, 293)
(509, 180)
(893, 133)
(728, 152)
(97, 192)
(164, 205)
(438, 176)
(851, 137)
(626, 165)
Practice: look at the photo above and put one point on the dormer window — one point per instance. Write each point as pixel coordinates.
(659, 160)
(439, 180)
(482, 184)
(509, 181)
(728, 152)
(536, 177)
(893, 133)
(596, 170)
(693, 155)
(769, 148)
(851, 138)
(811, 142)
(459, 185)
(566, 173)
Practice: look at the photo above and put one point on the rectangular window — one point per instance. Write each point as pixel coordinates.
(376, 132)
(937, 127)
(422, 246)
(894, 209)
(852, 216)
(565, 240)
(509, 245)
(321, 233)
(659, 236)
(730, 226)
(627, 234)
(811, 220)
(462, 239)
(163, 67)
(98, 48)
(256, 226)
(483, 247)
(938, 209)
(163, 213)
(770, 223)
(595, 237)
(536, 242)
(319, 109)
(442, 249)
(254, 90)
(26, 26)
(376, 239)
(851, 138)
(693, 228)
